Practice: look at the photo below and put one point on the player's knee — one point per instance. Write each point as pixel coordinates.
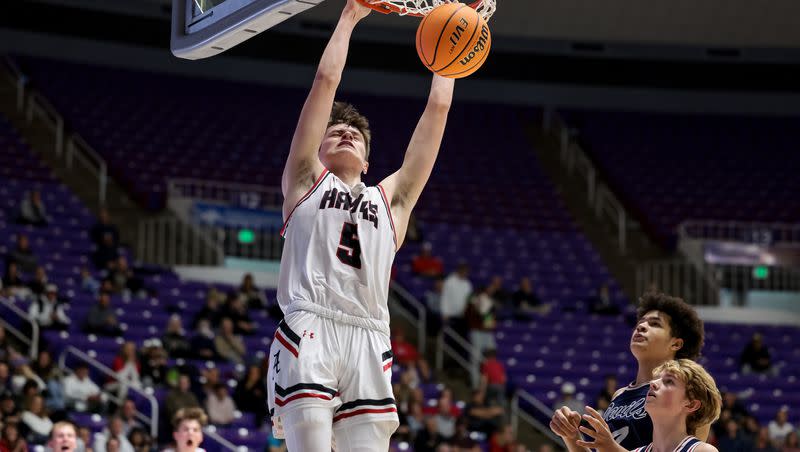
(365, 436)
(306, 418)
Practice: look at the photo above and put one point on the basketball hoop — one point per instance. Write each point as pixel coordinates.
(420, 8)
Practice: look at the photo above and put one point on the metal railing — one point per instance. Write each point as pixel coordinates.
(248, 195)
(211, 432)
(36, 106)
(78, 150)
(18, 78)
(152, 420)
(39, 107)
(33, 341)
(421, 318)
(737, 231)
(695, 283)
(517, 414)
(575, 160)
(172, 241)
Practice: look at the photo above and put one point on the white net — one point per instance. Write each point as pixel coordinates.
(422, 7)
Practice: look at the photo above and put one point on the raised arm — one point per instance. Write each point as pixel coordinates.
(303, 165)
(404, 187)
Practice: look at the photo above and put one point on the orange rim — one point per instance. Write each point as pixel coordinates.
(388, 8)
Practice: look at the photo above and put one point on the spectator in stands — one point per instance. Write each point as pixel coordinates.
(482, 415)
(780, 427)
(180, 397)
(154, 363)
(9, 412)
(187, 430)
(11, 440)
(429, 438)
(502, 440)
(36, 420)
(212, 310)
(526, 301)
(127, 369)
(229, 345)
(461, 441)
(481, 321)
(48, 312)
(8, 348)
(404, 351)
(88, 283)
(755, 356)
(45, 369)
(602, 304)
(32, 210)
(39, 282)
(455, 293)
(498, 291)
(174, 339)
(219, 406)
(105, 254)
(750, 427)
(113, 431)
(209, 379)
(81, 393)
(493, 378)
(202, 342)
(104, 227)
(251, 394)
(254, 297)
(762, 442)
(236, 310)
(64, 437)
(791, 443)
(101, 319)
(5, 378)
(426, 264)
(445, 419)
(733, 440)
(731, 402)
(127, 413)
(568, 398)
(140, 440)
(124, 279)
(23, 256)
(13, 283)
(607, 393)
(84, 439)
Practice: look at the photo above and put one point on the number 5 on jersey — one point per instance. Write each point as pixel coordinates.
(349, 249)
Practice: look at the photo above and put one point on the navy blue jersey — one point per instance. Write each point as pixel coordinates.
(687, 445)
(627, 419)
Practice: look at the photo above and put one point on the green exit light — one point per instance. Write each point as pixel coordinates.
(246, 236)
(760, 272)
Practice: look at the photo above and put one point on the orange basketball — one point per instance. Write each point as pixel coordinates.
(453, 40)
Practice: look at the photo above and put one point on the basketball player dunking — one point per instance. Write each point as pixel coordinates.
(330, 362)
(667, 329)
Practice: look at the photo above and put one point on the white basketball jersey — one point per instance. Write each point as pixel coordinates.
(338, 252)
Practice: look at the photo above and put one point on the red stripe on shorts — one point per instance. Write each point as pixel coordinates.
(286, 343)
(280, 402)
(365, 411)
(387, 366)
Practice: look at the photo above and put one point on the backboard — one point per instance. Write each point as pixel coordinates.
(203, 28)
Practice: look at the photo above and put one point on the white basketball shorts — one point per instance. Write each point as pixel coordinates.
(319, 362)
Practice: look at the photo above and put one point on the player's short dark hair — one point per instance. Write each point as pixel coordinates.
(683, 321)
(189, 414)
(345, 113)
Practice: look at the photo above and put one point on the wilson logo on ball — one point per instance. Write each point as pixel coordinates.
(453, 40)
(479, 46)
